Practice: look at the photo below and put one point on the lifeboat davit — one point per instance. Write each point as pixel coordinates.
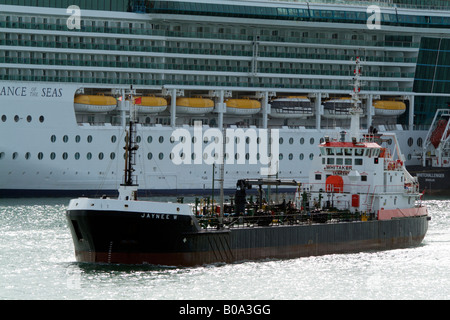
(291, 107)
(389, 108)
(94, 103)
(243, 106)
(194, 105)
(338, 108)
(151, 104)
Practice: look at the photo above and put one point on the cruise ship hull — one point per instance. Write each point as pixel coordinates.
(48, 153)
(143, 238)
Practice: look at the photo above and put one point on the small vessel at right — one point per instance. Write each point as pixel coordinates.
(434, 171)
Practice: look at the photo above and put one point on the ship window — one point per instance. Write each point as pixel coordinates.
(89, 139)
(318, 177)
(65, 138)
(348, 162)
(330, 161)
(77, 156)
(348, 152)
(363, 178)
(29, 118)
(339, 152)
(280, 156)
(301, 156)
(323, 160)
(89, 156)
(16, 118)
(52, 156)
(3, 118)
(41, 119)
(291, 140)
(100, 156)
(161, 156)
(113, 139)
(77, 139)
(112, 155)
(149, 156)
(339, 161)
(40, 156)
(302, 140)
(410, 141)
(15, 155)
(419, 143)
(311, 156)
(149, 139)
(291, 156)
(64, 156)
(27, 155)
(281, 140)
(161, 139)
(53, 138)
(358, 162)
(359, 152)
(330, 151)
(311, 141)
(2, 155)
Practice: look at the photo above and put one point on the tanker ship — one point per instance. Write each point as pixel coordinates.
(359, 197)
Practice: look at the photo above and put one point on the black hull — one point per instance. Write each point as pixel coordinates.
(132, 238)
(432, 179)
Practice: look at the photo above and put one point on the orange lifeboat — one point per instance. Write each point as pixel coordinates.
(334, 184)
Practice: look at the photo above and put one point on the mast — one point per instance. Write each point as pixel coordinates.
(128, 189)
(356, 111)
(130, 156)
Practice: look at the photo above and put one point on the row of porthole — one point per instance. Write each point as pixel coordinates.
(411, 141)
(216, 139)
(17, 118)
(236, 156)
(112, 156)
(65, 155)
(65, 139)
(194, 139)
